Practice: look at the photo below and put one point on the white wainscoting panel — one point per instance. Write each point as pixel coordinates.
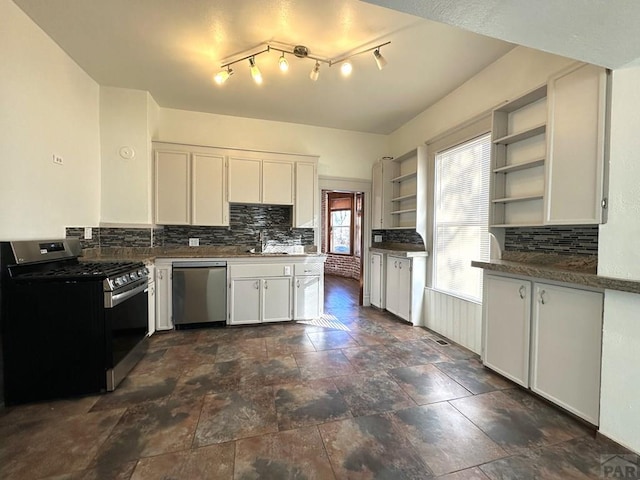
(457, 319)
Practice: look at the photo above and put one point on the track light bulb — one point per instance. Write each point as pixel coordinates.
(380, 60)
(284, 65)
(255, 71)
(346, 68)
(315, 73)
(222, 76)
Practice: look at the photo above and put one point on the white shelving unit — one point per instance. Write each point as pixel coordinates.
(518, 161)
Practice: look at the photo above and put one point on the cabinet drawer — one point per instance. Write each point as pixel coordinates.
(260, 270)
(308, 268)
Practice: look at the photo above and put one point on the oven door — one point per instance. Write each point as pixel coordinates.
(126, 325)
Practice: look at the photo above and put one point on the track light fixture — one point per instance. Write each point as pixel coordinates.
(299, 51)
(380, 60)
(315, 73)
(255, 71)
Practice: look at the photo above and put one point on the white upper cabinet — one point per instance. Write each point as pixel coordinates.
(377, 187)
(277, 182)
(190, 186)
(245, 180)
(172, 188)
(576, 146)
(306, 195)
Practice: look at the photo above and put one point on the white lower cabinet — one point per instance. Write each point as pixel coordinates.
(398, 295)
(258, 300)
(546, 337)
(152, 308)
(377, 280)
(163, 295)
(566, 348)
(307, 297)
(276, 299)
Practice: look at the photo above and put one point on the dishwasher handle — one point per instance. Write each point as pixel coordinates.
(197, 264)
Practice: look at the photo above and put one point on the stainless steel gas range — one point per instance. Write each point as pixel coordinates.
(68, 327)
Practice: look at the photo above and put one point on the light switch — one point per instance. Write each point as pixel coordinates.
(287, 269)
(377, 238)
(194, 242)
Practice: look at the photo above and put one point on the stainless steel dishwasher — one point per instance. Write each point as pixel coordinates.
(199, 293)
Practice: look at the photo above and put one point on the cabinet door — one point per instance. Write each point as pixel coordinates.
(305, 199)
(391, 294)
(377, 281)
(172, 192)
(277, 183)
(209, 197)
(404, 289)
(566, 343)
(245, 180)
(276, 306)
(575, 146)
(163, 298)
(152, 308)
(377, 198)
(507, 316)
(307, 297)
(245, 303)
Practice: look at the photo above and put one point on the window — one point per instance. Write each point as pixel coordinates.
(340, 222)
(461, 217)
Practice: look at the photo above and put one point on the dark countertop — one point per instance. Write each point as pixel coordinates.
(579, 270)
(150, 254)
(399, 249)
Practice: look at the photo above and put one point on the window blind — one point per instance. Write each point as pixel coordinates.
(461, 217)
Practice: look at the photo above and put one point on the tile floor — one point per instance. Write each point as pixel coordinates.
(357, 395)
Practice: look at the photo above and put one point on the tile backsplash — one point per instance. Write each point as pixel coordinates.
(246, 225)
(398, 236)
(569, 240)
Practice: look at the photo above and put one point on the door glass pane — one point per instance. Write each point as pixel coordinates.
(340, 231)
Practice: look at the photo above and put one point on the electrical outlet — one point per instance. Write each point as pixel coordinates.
(194, 242)
(57, 159)
(377, 238)
(88, 233)
(287, 270)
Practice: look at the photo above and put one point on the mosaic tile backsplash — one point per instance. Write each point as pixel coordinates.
(249, 225)
(570, 240)
(398, 236)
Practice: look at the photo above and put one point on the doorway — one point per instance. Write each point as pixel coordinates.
(342, 236)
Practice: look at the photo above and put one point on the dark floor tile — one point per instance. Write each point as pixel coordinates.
(374, 358)
(330, 363)
(173, 338)
(331, 340)
(416, 353)
(405, 332)
(370, 394)
(216, 378)
(445, 439)
(516, 420)
(45, 447)
(371, 448)
(287, 344)
(214, 461)
(427, 384)
(451, 350)
(151, 428)
(309, 403)
(249, 349)
(100, 472)
(294, 454)
(137, 389)
(276, 370)
(472, 375)
(48, 410)
(226, 334)
(232, 415)
(469, 474)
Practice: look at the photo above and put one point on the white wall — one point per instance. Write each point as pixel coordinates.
(48, 105)
(518, 71)
(342, 153)
(619, 256)
(126, 183)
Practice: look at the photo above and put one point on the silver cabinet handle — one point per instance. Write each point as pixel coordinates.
(257, 284)
(298, 283)
(542, 292)
(522, 291)
(400, 265)
(266, 285)
(160, 276)
(395, 264)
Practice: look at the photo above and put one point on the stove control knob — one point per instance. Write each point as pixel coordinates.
(133, 275)
(143, 272)
(124, 279)
(118, 282)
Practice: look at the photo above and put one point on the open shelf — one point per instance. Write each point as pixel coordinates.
(523, 135)
(520, 166)
(506, 225)
(406, 176)
(400, 212)
(404, 197)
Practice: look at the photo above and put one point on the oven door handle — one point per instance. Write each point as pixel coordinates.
(111, 300)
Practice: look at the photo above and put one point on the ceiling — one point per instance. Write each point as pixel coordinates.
(172, 49)
(602, 32)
